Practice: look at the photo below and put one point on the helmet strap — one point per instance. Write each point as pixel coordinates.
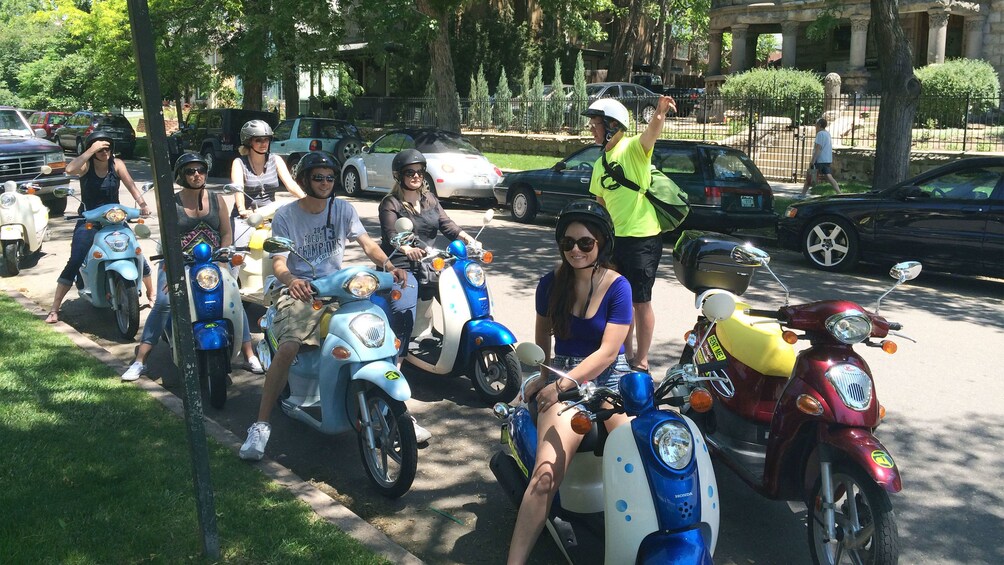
(592, 279)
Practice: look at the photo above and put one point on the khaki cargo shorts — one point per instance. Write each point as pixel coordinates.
(297, 321)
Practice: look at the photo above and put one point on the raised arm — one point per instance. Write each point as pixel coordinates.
(654, 129)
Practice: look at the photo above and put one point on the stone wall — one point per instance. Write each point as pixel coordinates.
(858, 164)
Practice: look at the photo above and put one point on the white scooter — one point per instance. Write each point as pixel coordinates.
(24, 222)
(471, 341)
(249, 238)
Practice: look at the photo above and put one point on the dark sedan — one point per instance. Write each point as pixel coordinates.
(726, 190)
(950, 218)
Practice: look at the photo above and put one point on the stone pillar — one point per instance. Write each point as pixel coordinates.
(739, 36)
(936, 35)
(831, 96)
(715, 52)
(974, 37)
(789, 38)
(859, 42)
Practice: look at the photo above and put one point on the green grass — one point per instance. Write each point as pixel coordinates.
(521, 162)
(96, 471)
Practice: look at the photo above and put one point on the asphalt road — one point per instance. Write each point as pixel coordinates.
(943, 426)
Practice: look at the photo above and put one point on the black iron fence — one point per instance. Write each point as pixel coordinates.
(777, 132)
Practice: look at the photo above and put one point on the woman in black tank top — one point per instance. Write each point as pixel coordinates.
(99, 174)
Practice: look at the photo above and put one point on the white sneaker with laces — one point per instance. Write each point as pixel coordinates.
(134, 371)
(254, 447)
(422, 435)
(254, 365)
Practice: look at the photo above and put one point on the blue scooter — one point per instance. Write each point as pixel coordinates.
(351, 382)
(113, 265)
(642, 493)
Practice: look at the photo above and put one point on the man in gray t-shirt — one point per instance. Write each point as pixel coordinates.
(822, 160)
(319, 225)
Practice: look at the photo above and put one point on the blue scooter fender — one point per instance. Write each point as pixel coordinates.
(124, 267)
(670, 548)
(491, 334)
(210, 336)
(385, 375)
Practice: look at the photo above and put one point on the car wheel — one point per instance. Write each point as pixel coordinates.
(292, 161)
(524, 205)
(830, 244)
(210, 157)
(347, 148)
(432, 185)
(350, 182)
(80, 146)
(647, 113)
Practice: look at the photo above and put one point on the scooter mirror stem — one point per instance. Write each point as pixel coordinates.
(902, 272)
(787, 293)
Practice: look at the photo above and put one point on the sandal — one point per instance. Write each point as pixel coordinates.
(52, 318)
(639, 369)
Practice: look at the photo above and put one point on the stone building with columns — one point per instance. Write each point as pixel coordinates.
(937, 30)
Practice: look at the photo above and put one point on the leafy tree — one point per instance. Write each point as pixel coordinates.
(622, 53)
(536, 101)
(503, 103)
(481, 105)
(556, 104)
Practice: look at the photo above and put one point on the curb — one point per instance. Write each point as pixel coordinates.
(323, 505)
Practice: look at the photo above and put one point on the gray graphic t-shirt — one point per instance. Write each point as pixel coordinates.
(323, 244)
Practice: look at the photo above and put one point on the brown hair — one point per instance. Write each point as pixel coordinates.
(562, 295)
(397, 192)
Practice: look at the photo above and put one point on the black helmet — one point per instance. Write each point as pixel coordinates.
(187, 159)
(405, 158)
(309, 162)
(98, 135)
(588, 212)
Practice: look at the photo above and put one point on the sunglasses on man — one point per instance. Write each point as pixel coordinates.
(323, 178)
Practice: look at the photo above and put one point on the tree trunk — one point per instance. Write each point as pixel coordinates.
(447, 109)
(291, 90)
(900, 92)
(661, 39)
(252, 93)
(623, 52)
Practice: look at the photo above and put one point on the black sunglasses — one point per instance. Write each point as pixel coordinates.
(196, 171)
(323, 178)
(585, 244)
(413, 172)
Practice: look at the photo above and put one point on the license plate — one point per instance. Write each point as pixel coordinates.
(480, 179)
(747, 201)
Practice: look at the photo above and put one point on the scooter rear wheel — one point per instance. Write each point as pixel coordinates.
(859, 499)
(393, 461)
(12, 258)
(495, 374)
(127, 298)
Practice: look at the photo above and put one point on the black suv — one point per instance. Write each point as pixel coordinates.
(216, 134)
(22, 156)
(74, 131)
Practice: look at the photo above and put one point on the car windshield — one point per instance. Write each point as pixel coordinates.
(593, 89)
(338, 129)
(441, 142)
(12, 123)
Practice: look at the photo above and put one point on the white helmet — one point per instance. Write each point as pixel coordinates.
(255, 128)
(609, 108)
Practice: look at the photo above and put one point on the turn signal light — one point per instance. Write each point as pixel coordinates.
(98, 254)
(438, 263)
(237, 260)
(316, 305)
(478, 340)
(789, 337)
(809, 405)
(31, 190)
(581, 424)
(139, 251)
(395, 294)
(701, 400)
(397, 343)
(140, 221)
(889, 347)
(341, 353)
(487, 257)
(89, 226)
(881, 412)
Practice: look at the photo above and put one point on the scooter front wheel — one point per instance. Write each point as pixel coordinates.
(127, 309)
(391, 461)
(213, 367)
(865, 524)
(495, 374)
(12, 258)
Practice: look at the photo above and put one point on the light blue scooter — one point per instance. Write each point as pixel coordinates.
(351, 382)
(113, 265)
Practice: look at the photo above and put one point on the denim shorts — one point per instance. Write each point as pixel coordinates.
(610, 377)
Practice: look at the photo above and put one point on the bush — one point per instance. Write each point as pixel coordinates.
(776, 92)
(481, 105)
(954, 90)
(502, 110)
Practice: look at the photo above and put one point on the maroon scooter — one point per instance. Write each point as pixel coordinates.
(797, 426)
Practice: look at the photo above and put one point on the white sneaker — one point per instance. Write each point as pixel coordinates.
(254, 447)
(254, 365)
(134, 371)
(422, 435)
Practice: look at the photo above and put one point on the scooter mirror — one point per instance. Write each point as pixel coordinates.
(404, 224)
(749, 256)
(45, 170)
(61, 192)
(146, 187)
(142, 231)
(10, 186)
(488, 217)
(718, 306)
(278, 245)
(256, 220)
(905, 271)
(530, 353)
(231, 189)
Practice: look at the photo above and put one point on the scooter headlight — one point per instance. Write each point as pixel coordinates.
(7, 199)
(118, 241)
(115, 216)
(369, 328)
(475, 274)
(849, 327)
(362, 285)
(852, 384)
(207, 278)
(674, 444)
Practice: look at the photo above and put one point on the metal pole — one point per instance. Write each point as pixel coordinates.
(142, 40)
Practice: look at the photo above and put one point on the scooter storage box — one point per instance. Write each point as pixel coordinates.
(703, 260)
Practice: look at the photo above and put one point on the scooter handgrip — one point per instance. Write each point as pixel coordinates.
(572, 394)
(762, 313)
(156, 257)
(712, 366)
(895, 326)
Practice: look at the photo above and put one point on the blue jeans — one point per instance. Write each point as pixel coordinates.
(81, 243)
(402, 313)
(160, 314)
